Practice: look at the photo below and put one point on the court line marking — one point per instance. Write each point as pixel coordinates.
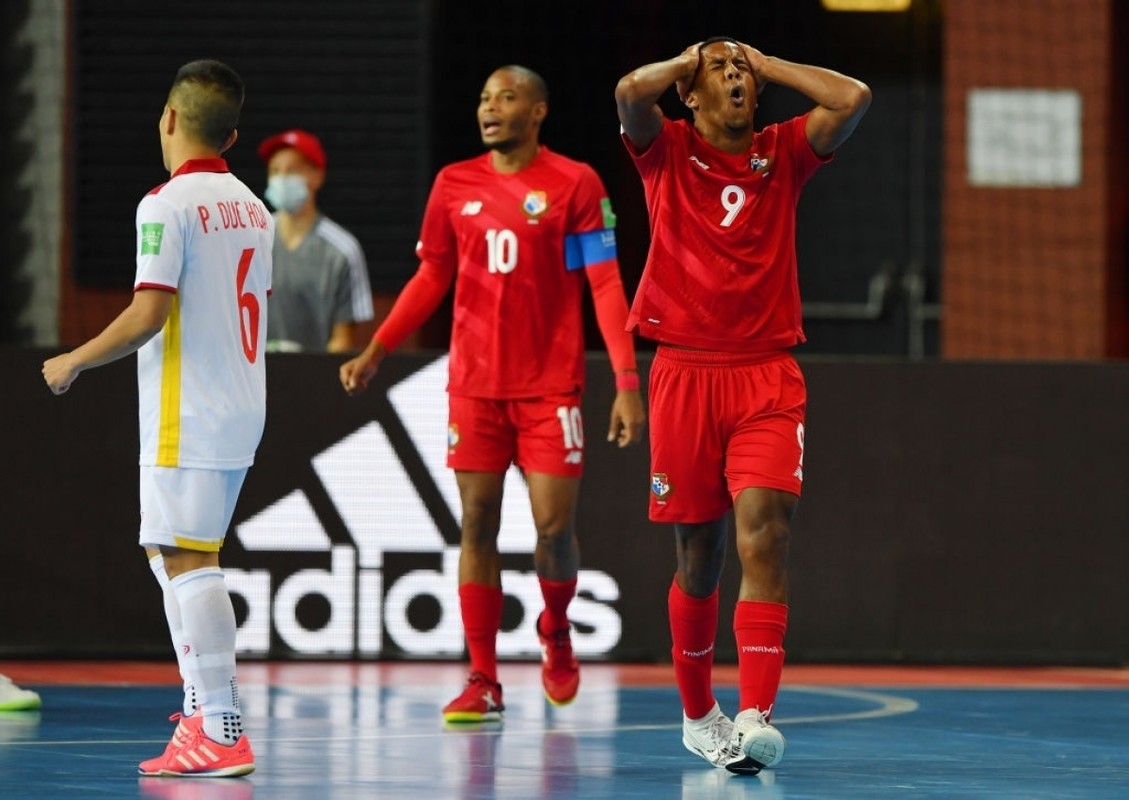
(887, 706)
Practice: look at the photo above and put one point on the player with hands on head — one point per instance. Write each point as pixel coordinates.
(523, 229)
(197, 324)
(720, 296)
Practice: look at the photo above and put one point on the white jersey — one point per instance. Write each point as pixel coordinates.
(202, 380)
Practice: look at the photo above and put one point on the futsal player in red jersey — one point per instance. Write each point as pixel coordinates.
(719, 294)
(523, 229)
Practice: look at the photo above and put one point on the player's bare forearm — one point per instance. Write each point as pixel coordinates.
(132, 328)
(829, 89)
(341, 338)
(638, 92)
(840, 100)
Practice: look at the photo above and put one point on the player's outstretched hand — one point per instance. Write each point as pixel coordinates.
(60, 372)
(356, 373)
(627, 419)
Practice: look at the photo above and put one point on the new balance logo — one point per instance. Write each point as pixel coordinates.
(471, 208)
(383, 512)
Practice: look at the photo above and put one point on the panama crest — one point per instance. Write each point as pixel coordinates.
(535, 204)
(760, 165)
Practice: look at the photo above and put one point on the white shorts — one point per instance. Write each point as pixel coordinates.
(188, 508)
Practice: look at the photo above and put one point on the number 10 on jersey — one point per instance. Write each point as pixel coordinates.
(501, 250)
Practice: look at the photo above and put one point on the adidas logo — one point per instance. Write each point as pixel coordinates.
(384, 513)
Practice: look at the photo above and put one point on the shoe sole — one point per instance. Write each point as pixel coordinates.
(557, 702)
(469, 727)
(746, 766)
(470, 717)
(751, 766)
(22, 705)
(224, 772)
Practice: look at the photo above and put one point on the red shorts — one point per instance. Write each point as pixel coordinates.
(720, 423)
(542, 434)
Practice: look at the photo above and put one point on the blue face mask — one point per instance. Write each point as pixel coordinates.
(287, 192)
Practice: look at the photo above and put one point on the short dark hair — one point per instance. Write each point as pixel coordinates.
(715, 40)
(535, 81)
(208, 96)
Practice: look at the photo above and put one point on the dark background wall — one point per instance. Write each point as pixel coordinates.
(952, 513)
(392, 86)
(354, 72)
(15, 104)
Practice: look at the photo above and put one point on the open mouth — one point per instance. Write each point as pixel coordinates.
(737, 95)
(490, 127)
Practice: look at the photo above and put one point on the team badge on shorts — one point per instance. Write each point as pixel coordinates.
(535, 204)
(660, 485)
(452, 437)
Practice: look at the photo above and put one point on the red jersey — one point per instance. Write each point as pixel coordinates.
(518, 244)
(721, 271)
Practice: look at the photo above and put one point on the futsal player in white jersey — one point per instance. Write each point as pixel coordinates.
(198, 324)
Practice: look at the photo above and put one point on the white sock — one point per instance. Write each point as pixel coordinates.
(209, 632)
(176, 631)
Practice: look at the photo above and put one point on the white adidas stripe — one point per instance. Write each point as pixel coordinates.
(195, 756)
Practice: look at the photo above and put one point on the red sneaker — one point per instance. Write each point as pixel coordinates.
(481, 701)
(560, 671)
(192, 754)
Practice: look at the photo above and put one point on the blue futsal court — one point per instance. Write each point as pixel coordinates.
(330, 731)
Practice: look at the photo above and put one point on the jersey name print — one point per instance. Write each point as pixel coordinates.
(205, 237)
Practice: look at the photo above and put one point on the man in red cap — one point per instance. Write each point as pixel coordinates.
(321, 290)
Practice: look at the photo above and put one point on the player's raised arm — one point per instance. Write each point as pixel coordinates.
(840, 100)
(638, 92)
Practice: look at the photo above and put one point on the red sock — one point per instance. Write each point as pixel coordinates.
(693, 630)
(759, 628)
(557, 594)
(481, 608)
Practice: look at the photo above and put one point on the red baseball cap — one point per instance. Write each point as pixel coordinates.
(303, 141)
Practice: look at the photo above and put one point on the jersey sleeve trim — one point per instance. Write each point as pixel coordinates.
(160, 287)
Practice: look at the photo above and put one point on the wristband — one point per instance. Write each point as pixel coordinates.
(627, 381)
